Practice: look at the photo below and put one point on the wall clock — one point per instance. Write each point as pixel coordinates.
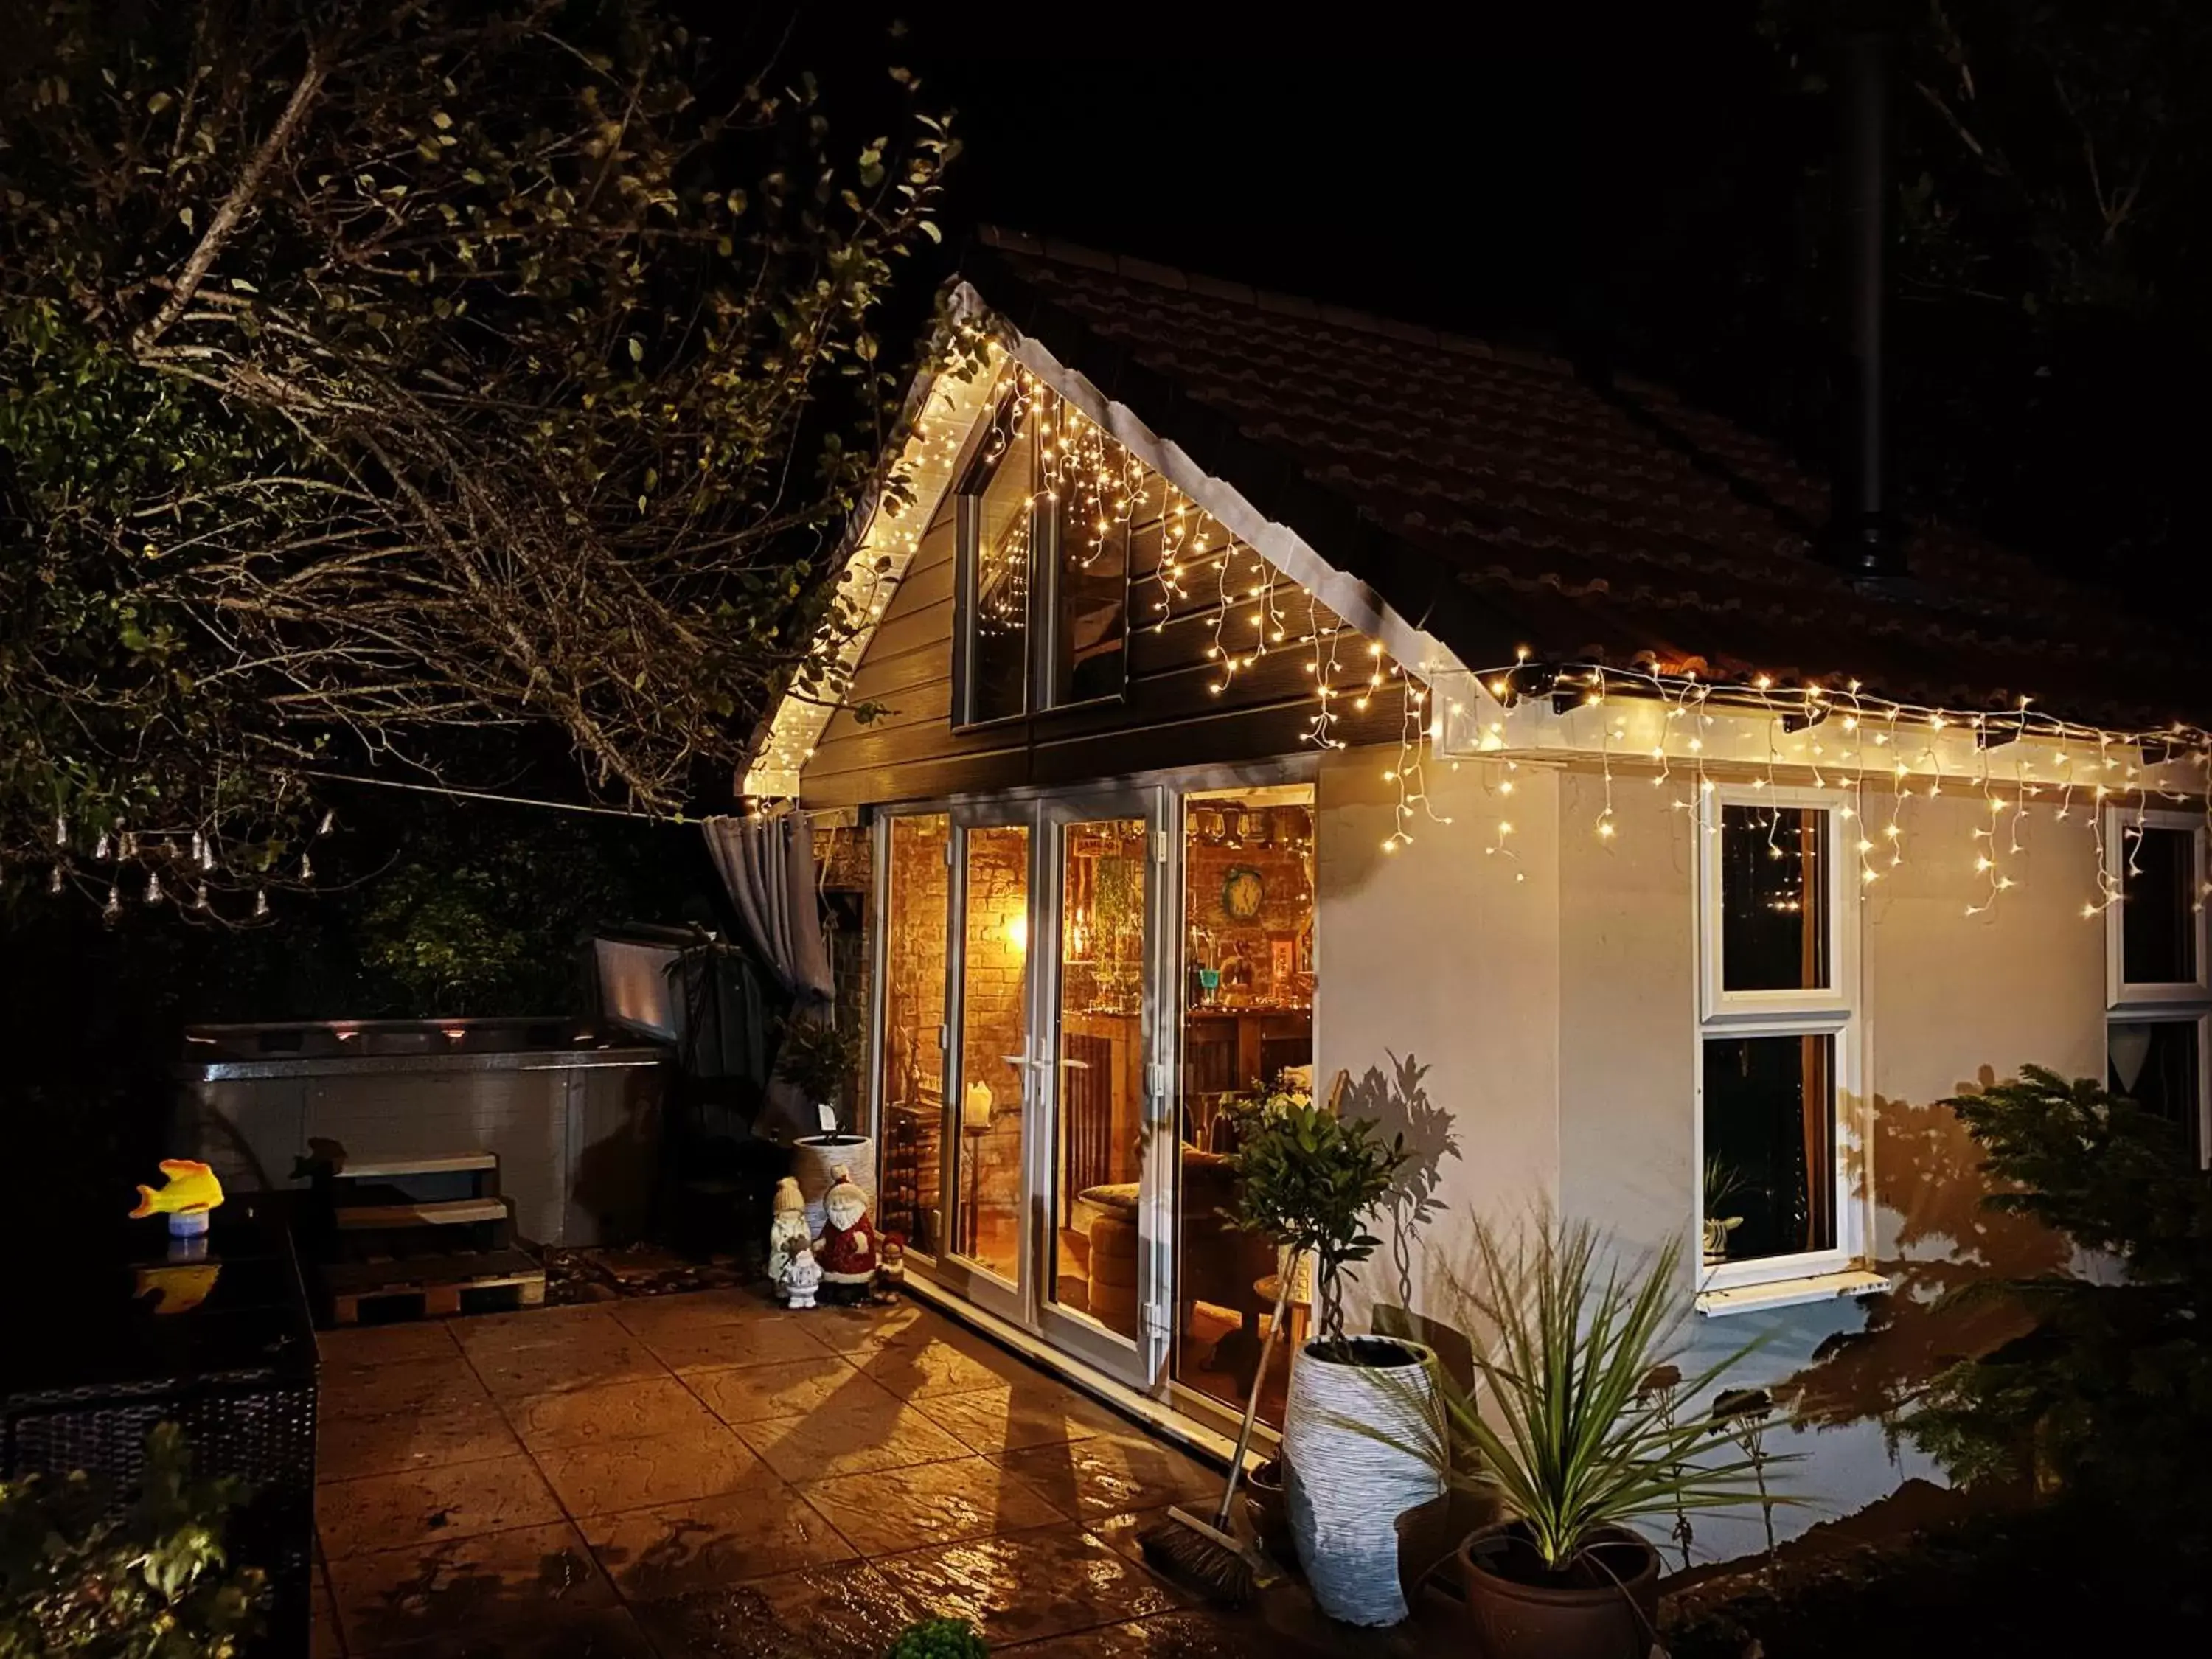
(1243, 893)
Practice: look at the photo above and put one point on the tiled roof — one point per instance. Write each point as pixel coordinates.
(1498, 499)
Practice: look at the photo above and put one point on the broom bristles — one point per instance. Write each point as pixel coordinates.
(1202, 1559)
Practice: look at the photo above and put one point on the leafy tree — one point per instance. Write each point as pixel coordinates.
(378, 375)
(2109, 1394)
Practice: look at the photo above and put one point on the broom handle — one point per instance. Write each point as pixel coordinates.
(1252, 1406)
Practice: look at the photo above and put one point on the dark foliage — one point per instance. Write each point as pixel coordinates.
(2108, 1395)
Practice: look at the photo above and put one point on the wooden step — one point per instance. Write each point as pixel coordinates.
(443, 1285)
(374, 1168)
(443, 1212)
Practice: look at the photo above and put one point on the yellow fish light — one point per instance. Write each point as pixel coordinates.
(190, 1192)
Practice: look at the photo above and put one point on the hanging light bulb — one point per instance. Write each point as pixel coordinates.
(61, 829)
(260, 904)
(154, 888)
(306, 868)
(113, 908)
(199, 898)
(199, 850)
(128, 847)
(54, 883)
(103, 846)
(329, 822)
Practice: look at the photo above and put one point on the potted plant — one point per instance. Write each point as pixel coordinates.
(1308, 1180)
(820, 1060)
(1722, 1184)
(1578, 1440)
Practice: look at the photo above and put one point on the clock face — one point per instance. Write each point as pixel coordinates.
(1242, 894)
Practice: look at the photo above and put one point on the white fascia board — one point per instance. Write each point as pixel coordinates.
(1359, 605)
(881, 542)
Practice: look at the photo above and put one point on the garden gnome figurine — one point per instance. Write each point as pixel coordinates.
(891, 1268)
(786, 1226)
(847, 1244)
(801, 1276)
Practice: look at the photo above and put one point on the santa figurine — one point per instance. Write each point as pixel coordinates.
(846, 1248)
(891, 1268)
(801, 1276)
(787, 1227)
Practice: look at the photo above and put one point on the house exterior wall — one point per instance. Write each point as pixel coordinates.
(1439, 954)
(1559, 1014)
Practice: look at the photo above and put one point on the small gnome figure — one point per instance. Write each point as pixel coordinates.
(891, 1268)
(847, 1244)
(802, 1275)
(787, 1227)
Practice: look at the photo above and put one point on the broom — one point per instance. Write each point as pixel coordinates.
(1205, 1555)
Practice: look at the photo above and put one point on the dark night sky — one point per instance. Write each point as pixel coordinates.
(1523, 174)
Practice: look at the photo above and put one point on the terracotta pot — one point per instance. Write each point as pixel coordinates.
(1607, 1610)
(1267, 1506)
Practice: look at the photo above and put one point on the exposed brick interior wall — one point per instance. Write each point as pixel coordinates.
(914, 1060)
(994, 1025)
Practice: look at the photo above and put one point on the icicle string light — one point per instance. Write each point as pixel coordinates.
(1863, 735)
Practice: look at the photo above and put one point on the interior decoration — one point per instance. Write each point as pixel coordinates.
(786, 1226)
(189, 1191)
(847, 1244)
(1244, 894)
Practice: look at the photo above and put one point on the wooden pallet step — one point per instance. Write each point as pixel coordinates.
(436, 1287)
(384, 1168)
(445, 1213)
(424, 1271)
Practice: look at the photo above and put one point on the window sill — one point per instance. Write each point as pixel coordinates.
(1791, 1292)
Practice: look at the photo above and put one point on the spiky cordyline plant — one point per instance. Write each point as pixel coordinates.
(1574, 1442)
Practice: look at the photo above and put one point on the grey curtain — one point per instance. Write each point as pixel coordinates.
(767, 863)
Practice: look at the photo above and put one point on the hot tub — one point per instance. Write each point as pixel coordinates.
(574, 1116)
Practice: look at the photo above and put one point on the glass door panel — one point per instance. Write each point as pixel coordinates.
(917, 911)
(988, 1183)
(1098, 1243)
(1245, 971)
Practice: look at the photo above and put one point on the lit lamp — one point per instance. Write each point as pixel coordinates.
(975, 1123)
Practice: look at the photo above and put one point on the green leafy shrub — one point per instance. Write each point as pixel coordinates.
(939, 1639)
(150, 1581)
(2108, 1393)
(817, 1059)
(1308, 1181)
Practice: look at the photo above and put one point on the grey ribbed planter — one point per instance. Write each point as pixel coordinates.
(1365, 1444)
(815, 1161)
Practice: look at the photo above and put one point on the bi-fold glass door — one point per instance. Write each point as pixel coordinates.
(1021, 1088)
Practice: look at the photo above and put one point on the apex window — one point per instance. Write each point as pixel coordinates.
(2159, 1000)
(1047, 514)
(1777, 1035)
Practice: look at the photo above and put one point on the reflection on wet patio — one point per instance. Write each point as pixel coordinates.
(706, 1475)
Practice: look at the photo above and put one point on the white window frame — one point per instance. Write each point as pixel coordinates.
(1832, 1011)
(2118, 992)
(2190, 1000)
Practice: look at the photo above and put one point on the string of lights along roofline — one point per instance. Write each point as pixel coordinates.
(1889, 743)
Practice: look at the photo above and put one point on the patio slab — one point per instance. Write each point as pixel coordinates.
(710, 1476)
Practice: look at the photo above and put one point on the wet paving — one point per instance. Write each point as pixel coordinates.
(709, 1474)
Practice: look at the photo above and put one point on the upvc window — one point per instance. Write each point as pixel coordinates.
(2158, 996)
(1043, 600)
(1777, 1038)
